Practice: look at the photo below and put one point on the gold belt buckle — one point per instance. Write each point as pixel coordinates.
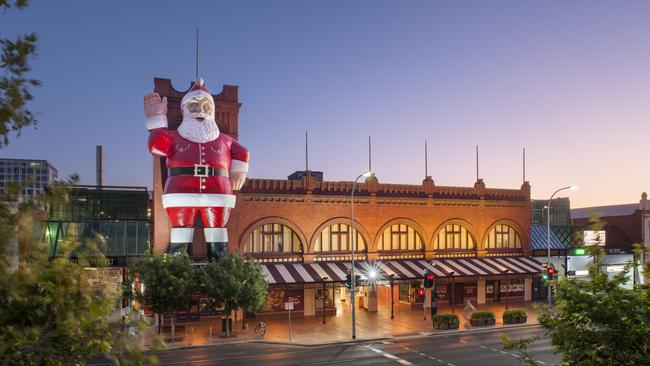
(197, 172)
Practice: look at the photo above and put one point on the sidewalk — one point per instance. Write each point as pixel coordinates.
(338, 328)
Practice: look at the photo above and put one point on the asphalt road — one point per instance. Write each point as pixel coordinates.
(474, 349)
(464, 348)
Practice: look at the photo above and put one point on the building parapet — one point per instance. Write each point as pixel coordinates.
(309, 185)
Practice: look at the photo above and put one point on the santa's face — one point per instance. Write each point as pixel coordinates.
(200, 108)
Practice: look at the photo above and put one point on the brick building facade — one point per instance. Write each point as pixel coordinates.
(299, 230)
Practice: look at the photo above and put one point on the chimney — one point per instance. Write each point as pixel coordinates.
(99, 157)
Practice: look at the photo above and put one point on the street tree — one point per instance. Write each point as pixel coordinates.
(598, 321)
(15, 85)
(167, 280)
(50, 311)
(234, 284)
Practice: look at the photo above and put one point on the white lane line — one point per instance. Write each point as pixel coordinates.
(494, 349)
(505, 353)
(422, 354)
(392, 357)
(450, 364)
(541, 362)
(514, 355)
(482, 346)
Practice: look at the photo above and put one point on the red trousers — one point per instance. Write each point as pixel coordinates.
(186, 216)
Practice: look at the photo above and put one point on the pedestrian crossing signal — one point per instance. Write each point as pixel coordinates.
(421, 292)
(428, 279)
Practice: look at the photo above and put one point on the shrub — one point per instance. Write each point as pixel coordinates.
(482, 315)
(445, 321)
(515, 316)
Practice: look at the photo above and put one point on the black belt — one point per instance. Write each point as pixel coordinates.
(198, 170)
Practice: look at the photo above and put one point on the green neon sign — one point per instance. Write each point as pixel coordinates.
(580, 251)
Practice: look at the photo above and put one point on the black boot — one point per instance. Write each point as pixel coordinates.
(178, 248)
(215, 250)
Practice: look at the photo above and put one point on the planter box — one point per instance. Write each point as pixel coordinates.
(515, 320)
(482, 322)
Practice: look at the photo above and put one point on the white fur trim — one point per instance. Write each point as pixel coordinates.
(238, 166)
(196, 93)
(216, 235)
(182, 234)
(198, 200)
(157, 121)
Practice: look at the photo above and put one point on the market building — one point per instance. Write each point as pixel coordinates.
(476, 240)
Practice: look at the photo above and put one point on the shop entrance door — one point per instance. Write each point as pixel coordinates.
(459, 291)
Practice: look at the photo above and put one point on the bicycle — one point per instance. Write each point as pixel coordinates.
(260, 329)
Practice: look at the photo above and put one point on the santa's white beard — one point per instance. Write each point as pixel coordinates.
(198, 131)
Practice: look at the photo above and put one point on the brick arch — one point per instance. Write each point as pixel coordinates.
(458, 221)
(518, 228)
(399, 220)
(270, 220)
(338, 220)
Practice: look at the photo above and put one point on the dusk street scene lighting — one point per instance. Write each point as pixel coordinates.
(320, 182)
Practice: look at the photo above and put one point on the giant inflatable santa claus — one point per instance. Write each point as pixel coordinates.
(204, 167)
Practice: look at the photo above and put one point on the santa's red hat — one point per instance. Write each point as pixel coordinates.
(197, 90)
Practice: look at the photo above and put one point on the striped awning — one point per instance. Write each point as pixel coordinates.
(287, 273)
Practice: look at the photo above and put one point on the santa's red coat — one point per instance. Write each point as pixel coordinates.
(190, 191)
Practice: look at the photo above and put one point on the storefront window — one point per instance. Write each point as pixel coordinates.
(503, 237)
(453, 237)
(400, 237)
(337, 238)
(273, 238)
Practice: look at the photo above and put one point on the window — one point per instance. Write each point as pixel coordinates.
(453, 237)
(502, 237)
(337, 238)
(273, 238)
(400, 237)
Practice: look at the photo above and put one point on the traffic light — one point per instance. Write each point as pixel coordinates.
(428, 279)
(421, 292)
(550, 272)
(348, 280)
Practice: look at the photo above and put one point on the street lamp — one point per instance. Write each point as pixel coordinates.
(354, 242)
(324, 297)
(548, 233)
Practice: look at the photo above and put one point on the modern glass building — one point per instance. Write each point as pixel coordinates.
(31, 176)
(117, 219)
(560, 212)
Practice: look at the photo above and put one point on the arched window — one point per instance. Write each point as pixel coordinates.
(399, 237)
(337, 238)
(273, 238)
(502, 237)
(453, 237)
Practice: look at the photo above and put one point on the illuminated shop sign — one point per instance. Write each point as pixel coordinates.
(594, 237)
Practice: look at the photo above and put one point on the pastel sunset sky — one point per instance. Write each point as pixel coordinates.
(567, 80)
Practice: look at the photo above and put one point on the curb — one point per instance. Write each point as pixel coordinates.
(443, 333)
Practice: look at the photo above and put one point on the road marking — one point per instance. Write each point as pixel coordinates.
(422, 354)
(482, 346)
(450, 364)
(494, 349)
(541, 362)
(408, 349)
(392, 357)
(514, 355)
(505, 353)
(463, 341)
(387, 342)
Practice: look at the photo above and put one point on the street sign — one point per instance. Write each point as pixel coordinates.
(288, 305)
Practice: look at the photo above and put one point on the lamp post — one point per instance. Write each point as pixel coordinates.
(392, 300)
(548, 233)
(324, 297)
(354, 242)
(453, 292)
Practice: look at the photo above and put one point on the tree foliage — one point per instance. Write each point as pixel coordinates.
(168, 281)
(598, 321)
(235, 284)
(15, 93)
(50, 311)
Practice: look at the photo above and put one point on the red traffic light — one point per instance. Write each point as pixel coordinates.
(421, 292)
(550, 271)
(430, 277)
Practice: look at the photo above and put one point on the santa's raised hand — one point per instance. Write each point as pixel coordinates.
(154, 105)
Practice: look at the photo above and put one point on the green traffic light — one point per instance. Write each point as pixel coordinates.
(580, 251)
(545, 276)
